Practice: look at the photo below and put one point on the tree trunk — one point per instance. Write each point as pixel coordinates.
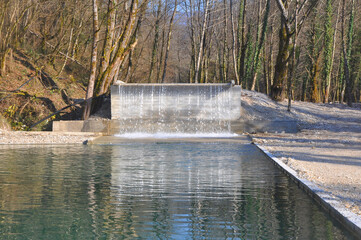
(252, 72)
(155, 42)
(109, 36)
(328, 51)
(168, 41)
(123, 48)
(160, 60)
(347, 52)
(225, 44)
(234, 44)
(293, 64)
(281, 67)
(200, 53)
(260, 45)
(270, 62)
(242, 39)
(192, 67)
(93, 68)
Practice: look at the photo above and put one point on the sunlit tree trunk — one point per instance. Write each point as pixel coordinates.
(234, 44)
(260, 44)
(168, 41)
(225, 44)
(328, 51)
(124, 46)
(200, 52)
(109, 35)
(241, 38)
(93, 67)
(346, 49)
(155, 42)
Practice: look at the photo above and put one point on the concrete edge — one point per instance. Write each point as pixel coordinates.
(112, 140)
(330, 203)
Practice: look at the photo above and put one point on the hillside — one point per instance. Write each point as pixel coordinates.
(28, 95)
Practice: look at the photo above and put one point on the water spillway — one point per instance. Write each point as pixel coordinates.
(182, 109)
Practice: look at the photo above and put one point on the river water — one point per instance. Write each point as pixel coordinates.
(153, 191)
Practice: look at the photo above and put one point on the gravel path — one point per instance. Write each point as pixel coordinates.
(327, 150)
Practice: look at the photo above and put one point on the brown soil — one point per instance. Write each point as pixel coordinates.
(44, 94)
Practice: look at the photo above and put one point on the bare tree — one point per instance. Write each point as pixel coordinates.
(200, 52)
(93, 69)
(168, 40)
(285, 46)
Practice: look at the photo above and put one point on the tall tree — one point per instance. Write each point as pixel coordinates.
(285, 46)
(168, 40)
(313, 57)
(293, 61)
(346, 49)
(242, 43)
(201, 45)
(156, 40)
(234, 43)
(260, 44)
(93, 69)
(328, 49)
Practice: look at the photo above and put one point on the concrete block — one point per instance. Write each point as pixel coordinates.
(92, 125)
(68, 126)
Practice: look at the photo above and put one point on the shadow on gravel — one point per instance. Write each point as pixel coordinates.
(327, 158)
(349, 144)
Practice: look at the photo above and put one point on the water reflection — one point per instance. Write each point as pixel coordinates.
(153, 191)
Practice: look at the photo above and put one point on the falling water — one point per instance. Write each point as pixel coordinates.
(178, 110)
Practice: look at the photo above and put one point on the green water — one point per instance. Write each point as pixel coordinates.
(153, 191)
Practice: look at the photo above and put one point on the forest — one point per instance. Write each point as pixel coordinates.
(308, 50)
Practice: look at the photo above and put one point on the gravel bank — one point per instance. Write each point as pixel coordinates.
(327, 150)
(24, 138)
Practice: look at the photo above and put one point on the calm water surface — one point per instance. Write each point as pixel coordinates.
(153, 191)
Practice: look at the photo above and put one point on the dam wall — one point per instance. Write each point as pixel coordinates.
(175, 108)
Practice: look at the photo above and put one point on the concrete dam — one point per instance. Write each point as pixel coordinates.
(177, 109)
(174, 110)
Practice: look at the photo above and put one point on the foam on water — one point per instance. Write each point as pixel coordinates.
(165, 135)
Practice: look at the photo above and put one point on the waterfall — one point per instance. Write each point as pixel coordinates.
(175, 109)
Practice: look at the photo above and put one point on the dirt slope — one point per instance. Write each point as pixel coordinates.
(28, 95)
